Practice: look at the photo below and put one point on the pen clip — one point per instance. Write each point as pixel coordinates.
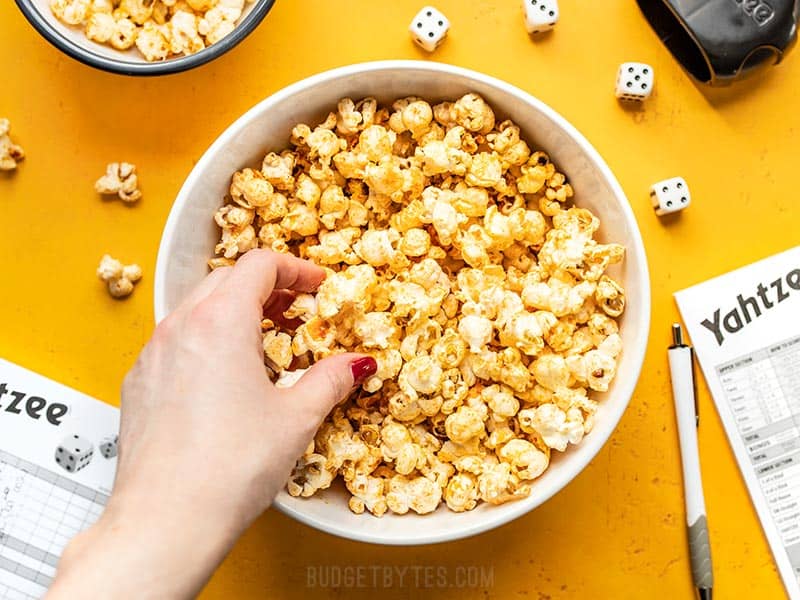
(677, 342)
(694, 389)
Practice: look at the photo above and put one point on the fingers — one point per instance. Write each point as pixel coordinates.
(331, 380)
(278, 303)
(206, 287)
(258, 272)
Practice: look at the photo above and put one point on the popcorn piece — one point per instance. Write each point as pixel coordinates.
(138, 11)
(526, 460)
(349, 287)
(610, 297)
(472, 112)
(125, 33)
(183, 35)
(278, 349)
(368, 492)
(250, 189)
(100, 27)
(151, 41)
(420, 375)
(557, 428)
(376, 329)
(119, 278)
(419, 494)
(464, 424)
(309, 476)
(71, 12)
(10, 153)
(461, 493)
(120, 179)
(476, 331)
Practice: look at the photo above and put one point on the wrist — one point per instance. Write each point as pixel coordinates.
(148, 546)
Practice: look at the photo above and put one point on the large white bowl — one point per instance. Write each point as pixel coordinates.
(190, 235)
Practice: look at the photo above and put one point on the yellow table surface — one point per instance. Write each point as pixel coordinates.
(617, 531)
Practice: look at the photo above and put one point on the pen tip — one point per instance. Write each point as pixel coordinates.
(704, 593)
(677, 334)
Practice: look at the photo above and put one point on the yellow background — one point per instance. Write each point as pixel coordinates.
(618, 530)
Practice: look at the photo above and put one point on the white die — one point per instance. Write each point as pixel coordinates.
(74, 453)
(670, 195)
(634, 81)
(429, 28)
(108, 446)
(540, 15)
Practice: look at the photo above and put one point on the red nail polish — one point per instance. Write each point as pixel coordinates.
(361, 368)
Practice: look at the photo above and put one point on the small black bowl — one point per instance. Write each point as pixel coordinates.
(44, 24)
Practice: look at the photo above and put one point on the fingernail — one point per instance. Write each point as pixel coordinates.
(361, 368)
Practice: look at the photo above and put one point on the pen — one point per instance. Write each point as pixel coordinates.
(681, 369)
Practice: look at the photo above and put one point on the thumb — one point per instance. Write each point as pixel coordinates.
(331, 380)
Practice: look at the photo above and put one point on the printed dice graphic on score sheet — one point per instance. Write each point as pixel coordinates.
(429, 28)
(540, 15)
(74, 453)
(634, 81)
(670, 195)
(108, 446)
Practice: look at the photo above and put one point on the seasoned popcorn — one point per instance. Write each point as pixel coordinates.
(119, 278)
(10, 153)
(456, 259)
(120, 179)
(160, 29)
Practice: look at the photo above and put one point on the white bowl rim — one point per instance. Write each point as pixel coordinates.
(591, 444)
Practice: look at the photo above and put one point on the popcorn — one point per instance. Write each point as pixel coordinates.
(160, 29)
(462, 492)
(420, 375)
(556, 427)
(278, 168)
(151, 41)
(526, 460)
(10, 153)
(309, 476)
(610, 297)
(119, 278)
(456, 259)
(476, 331)
(124, 35)
(71, 12)
(278, 349)
(419, 494)
(250, 189)
(120, 179)
(464, 424)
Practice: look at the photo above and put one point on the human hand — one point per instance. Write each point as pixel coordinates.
(206, 439)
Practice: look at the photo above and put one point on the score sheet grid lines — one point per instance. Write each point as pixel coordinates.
(40, 511)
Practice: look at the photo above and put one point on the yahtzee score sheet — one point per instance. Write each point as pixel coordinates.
(745, 327)
(57, 465)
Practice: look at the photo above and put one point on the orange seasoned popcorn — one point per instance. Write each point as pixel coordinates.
(159, 29)
(456, 260)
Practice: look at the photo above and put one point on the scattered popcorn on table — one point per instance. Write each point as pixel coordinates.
(118, 277)
(10, 153)
(120, 179)
(456, 259)
(159, 29)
